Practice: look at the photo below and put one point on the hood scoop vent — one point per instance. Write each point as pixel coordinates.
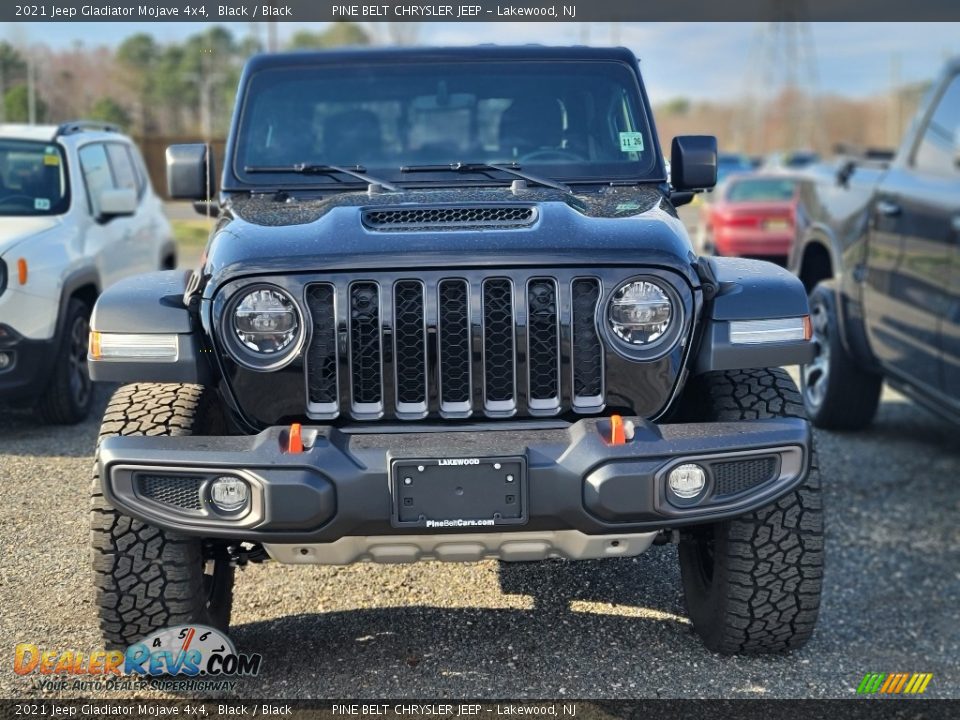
(449, 217)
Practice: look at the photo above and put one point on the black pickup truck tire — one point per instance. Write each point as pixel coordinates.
(146, 578)
(837, 393)
(753, 584)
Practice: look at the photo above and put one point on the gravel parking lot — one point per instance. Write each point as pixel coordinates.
(611, 629)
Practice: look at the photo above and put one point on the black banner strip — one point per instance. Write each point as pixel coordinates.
(872, 709)
(480, 11)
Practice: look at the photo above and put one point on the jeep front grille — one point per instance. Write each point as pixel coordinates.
(454, 347)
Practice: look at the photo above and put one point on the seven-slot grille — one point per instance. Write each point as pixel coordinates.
(454, 347)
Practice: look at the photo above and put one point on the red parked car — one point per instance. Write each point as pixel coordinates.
(752, 216)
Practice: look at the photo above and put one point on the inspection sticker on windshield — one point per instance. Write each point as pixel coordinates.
(631, 142)
(50, 156)
(41, 204)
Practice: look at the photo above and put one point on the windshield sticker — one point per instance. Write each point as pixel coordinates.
(41, 204)
(51, 159)
(631, 142)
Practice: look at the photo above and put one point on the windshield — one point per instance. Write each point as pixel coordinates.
(761, 190)
(33, 179)
(563, 120)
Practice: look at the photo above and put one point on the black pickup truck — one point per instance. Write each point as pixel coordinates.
(449, 312)
(881, 258)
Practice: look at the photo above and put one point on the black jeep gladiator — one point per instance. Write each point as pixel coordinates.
(448, 312)
(880, 255)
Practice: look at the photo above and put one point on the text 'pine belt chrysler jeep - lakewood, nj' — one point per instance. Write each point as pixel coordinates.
(448, 312)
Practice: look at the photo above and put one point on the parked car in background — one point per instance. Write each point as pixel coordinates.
(881, 259)
(791, 160)
(77, 213)
(752, 216)
(732, 164)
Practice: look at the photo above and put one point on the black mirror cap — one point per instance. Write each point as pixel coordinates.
(190, 172)
(693, 162)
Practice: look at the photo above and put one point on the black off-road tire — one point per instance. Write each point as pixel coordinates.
(753, 584)
(838, 394)
(69, 394)
(146, 578)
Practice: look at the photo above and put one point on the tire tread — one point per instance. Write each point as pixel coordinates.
(772, 563)
(145, 578)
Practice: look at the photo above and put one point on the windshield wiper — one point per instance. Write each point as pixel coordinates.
(483, 167)
(358, 171)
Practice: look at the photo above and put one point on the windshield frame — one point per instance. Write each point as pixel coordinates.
(65, 202)
(235, 179)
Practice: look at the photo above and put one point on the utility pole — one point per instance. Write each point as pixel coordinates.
(783, 63)
(273, 43)
(31, 89)
(894, 111)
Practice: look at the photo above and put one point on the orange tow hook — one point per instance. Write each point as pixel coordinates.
(295, 443)
(618, 435)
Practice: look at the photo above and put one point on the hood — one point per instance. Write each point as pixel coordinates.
(261, 235)
(14, 230)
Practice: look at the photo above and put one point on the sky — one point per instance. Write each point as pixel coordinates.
(700, 61)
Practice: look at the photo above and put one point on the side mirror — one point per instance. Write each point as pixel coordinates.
(693, 162)
(190, 172)
(116, 203)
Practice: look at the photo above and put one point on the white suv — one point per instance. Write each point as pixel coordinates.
(77, 213)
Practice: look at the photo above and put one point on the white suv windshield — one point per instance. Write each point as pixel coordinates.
(573, 120)
(33, 179)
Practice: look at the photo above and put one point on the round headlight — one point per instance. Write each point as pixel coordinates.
(266, 323)
(640, 313)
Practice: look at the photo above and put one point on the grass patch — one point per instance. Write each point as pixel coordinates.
(191, 234)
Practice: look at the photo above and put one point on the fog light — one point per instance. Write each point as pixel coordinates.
(229, 494)
(6, 360)
(687, 481)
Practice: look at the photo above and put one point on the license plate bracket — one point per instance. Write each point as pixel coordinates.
(459, 493)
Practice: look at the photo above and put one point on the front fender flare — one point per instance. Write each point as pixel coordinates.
(151, 304)
(750, 290)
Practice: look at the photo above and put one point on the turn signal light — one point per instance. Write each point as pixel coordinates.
(133, 347)
(778, 330)
(22, 271)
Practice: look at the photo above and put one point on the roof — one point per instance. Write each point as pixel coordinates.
(28, 132)
(439, 55)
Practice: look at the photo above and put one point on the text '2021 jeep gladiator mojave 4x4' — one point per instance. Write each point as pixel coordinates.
(448, 312)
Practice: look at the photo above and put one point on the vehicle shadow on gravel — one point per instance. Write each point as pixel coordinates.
(584, 614)
(23, 433)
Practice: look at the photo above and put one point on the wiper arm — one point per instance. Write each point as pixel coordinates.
(358, 171)
(483, 167)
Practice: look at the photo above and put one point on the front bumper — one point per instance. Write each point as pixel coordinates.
(340, 486)
(26, 366)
